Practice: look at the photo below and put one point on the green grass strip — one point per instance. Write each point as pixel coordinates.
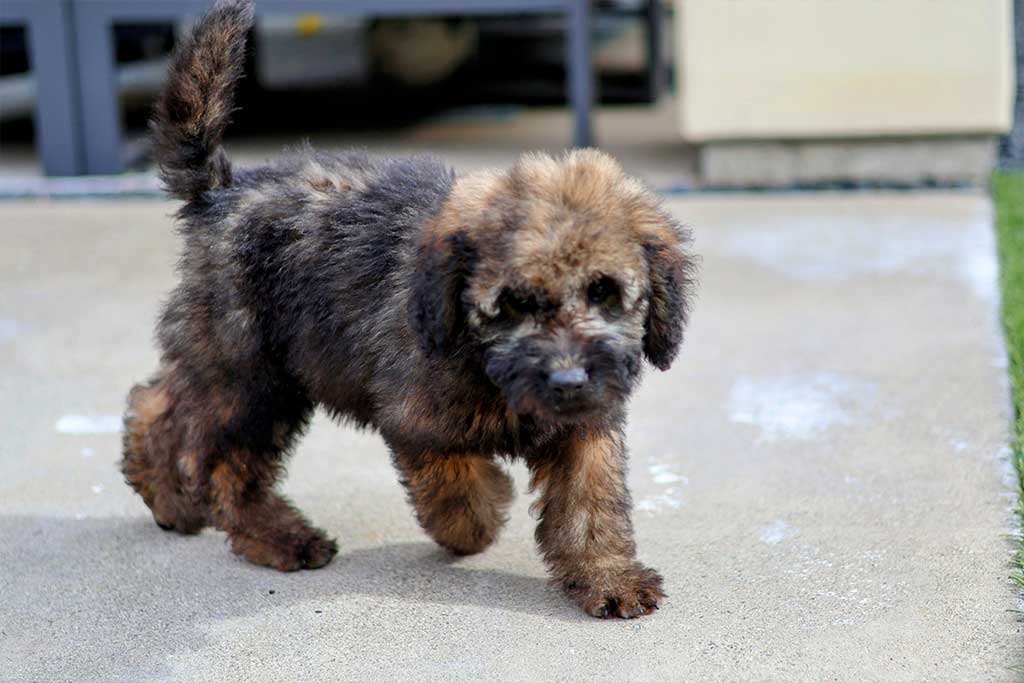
(1008, 192)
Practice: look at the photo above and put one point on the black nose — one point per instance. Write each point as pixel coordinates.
(567, 383)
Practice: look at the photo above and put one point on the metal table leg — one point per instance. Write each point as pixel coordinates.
(51, 48)
(655, 70)
(101, 115)
(581, 72)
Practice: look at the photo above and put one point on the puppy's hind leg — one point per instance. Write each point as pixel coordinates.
(238, 463)
(460, 500)
(152, 445)
(262, 525)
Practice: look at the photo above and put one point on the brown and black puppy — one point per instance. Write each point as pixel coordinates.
(501, 314)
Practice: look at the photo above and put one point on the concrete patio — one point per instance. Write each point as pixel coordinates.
(822, 478)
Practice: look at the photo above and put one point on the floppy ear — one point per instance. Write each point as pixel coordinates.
(671, 282)
(435, 301)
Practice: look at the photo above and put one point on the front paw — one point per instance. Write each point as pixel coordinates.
(625, 593)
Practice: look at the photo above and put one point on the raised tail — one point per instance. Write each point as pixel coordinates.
(196, 104)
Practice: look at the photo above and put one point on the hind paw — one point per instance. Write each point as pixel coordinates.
(310, 549)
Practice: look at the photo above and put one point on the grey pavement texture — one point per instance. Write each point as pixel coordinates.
(821, 478)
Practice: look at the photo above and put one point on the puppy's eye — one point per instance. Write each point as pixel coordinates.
(603, 292)
(516, 304)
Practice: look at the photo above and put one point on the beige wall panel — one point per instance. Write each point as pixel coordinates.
(843, 68)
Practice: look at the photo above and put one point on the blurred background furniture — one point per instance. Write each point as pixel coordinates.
(93, 20)
(317, 57)
(767, 92)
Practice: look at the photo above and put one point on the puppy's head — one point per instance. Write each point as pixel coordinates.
(558, 276)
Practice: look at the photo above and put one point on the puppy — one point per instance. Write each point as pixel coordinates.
(497, 314)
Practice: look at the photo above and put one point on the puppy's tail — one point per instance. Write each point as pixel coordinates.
(196, 104)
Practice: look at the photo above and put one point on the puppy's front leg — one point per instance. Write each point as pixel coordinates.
(585, 533)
